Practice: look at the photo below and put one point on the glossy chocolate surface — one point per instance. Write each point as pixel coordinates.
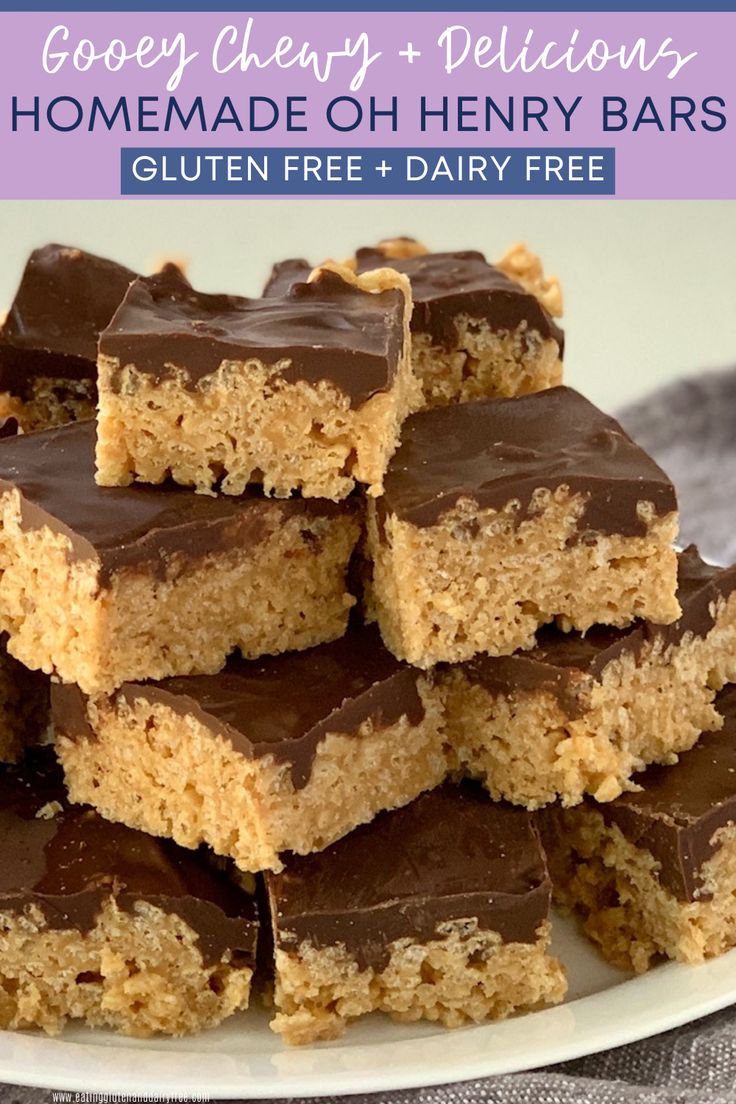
(680, 808)
(65, 298)
(324, 330)
(453, 854)
(69, 864)
(447, 285)
(563, 663)
(284, 705)
(283, 276)
(498, 451)
(444, 287)
(119, 527)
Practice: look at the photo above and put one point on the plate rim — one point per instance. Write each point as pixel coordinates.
(688, 1001)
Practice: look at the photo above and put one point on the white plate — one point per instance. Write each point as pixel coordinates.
(605, 1008)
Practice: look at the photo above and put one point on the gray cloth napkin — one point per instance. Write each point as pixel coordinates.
(690, 428)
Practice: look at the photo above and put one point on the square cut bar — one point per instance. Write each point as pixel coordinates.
(48, 341)
(284, 754)
(302, 392)
(25, 716)
(478, 330)
(437, 911)
(580, 714)
(106, 925)
(502, 515)
(654, 872)
(98, 585)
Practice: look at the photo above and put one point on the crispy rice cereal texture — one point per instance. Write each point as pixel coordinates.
(140, 974)
(170, 775)
(485, 363)
(290, 591)
(244, 423)
(478, 582)
(525, 267)
(627, 912)
(54, 402)
(527, 748)
(464, 976)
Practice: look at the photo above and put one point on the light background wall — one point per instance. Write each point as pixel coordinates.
(650, 287)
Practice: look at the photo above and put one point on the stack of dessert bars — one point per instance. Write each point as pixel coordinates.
(338, 638)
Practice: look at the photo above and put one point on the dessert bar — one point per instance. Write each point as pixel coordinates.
(283, 754)
(306, 391)
(502, 515)
(478, 330)
(48, 341)
(107, 925)
(580, 713)
(437, 911)
(24, 694)
(101, 585)
(654, 872)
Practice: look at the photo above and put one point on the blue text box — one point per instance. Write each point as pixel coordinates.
(417, 171)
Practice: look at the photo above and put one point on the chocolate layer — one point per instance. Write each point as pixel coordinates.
(282, 706)
(680, 808)
(445, 287)
(28, 700)
(563, 663)
(141, 525)
(324, 330)
(498, 451)
(283, 276)
(70, 863)
(65, 298)
(450, 855)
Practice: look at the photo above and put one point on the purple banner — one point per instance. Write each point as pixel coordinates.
(655, 88)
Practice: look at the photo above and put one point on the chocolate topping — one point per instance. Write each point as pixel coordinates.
(450, 855)
(680, 808)
(563, 663)
(282, 706)
(66, 297)
(444, 286)
(120, 527)
(498, 451)
(284, 275)
(447, 285)
(27, 699)
(324, 330)
(69, 863)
